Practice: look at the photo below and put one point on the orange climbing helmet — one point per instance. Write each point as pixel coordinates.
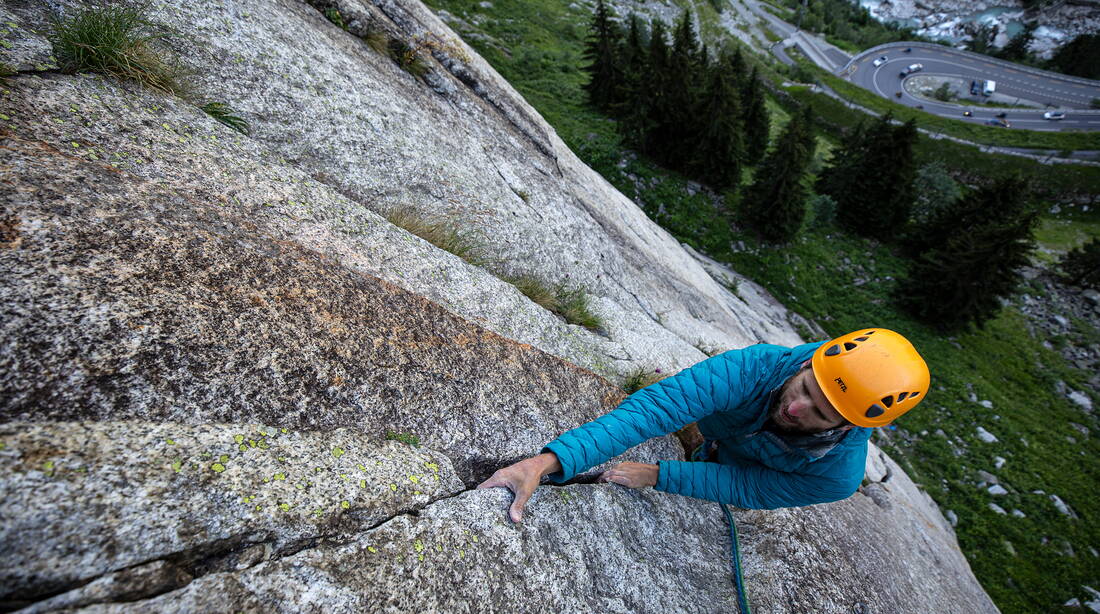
(871, 376)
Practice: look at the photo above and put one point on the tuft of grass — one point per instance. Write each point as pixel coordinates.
(534, 289)
(573, 305)
(116, 41)
(569, 303)
(444, 234)
(640, 377)
(377, 40)
(406, 438)
(225, 114)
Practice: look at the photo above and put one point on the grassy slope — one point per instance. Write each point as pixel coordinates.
(536, 45)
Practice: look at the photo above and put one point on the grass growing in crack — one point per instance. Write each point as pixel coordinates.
(116, 41)
(406, 438)
(569, 303)
(377, 40)
(573, 305)
(640, 377)
(225, 114)
(534, 289)
(443, 234)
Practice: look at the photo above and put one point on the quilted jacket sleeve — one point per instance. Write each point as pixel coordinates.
(756, 486)
(715, 384)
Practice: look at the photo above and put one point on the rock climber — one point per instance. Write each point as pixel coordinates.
(784, 427)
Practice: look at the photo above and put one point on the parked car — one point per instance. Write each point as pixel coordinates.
(974, 89)
(880, 61)
(998, 122)
(1054, 115)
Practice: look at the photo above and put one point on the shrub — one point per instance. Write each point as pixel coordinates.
(116, 41)
(225, 114)
(407, 57)
(944, 93)
(333, 15)
(1081, 266)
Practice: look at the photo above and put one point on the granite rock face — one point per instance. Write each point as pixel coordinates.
(209, 338)
(340, 133)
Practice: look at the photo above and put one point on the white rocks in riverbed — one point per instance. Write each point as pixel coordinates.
(997, 490)
(1080, 398)
(996, 508)
(998, 462)
(986, 403)
(1062, 507)
(986, 436)
(1019, 514)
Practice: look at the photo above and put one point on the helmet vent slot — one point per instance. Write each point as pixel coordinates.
(901, 396)
(913, 395)
(870, 332)
(833, 351)
(875, 411)
(848, 345)
(861, 338)
(888, 400)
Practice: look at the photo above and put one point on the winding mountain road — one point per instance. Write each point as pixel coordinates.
(1071, 95)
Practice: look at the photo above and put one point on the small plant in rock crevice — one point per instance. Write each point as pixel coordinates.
(116, 41)
(572, 304)
(333, 15)
(226, 115)
(641, 376)
(406, 438)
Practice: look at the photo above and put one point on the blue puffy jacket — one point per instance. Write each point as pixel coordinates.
(728, 395)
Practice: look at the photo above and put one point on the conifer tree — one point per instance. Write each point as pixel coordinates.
(633, 98)
(601, 50)
(774, 206)
(717, 147)
(971, 257)
(754, 118)
(657, 79)
(672, 139)
(872, 179)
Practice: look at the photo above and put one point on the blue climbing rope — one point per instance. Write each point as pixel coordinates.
(700, 455)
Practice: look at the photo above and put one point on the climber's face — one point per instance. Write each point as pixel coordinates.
(802, 407)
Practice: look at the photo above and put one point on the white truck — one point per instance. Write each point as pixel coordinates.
(988, 88)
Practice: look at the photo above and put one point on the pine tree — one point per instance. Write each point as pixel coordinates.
(754, 118)
(601, 50)
(774, 206)
(1078, 57)
(634, 96)
(717, 139)
(1016, 49)
(974, 250)
(673, 137)
(872, 179)
(657, 113)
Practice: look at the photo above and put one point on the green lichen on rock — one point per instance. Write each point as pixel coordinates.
(337, 452)
(217, 467)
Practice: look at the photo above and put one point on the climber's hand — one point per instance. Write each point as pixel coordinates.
(632, 475)
(522, 479)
